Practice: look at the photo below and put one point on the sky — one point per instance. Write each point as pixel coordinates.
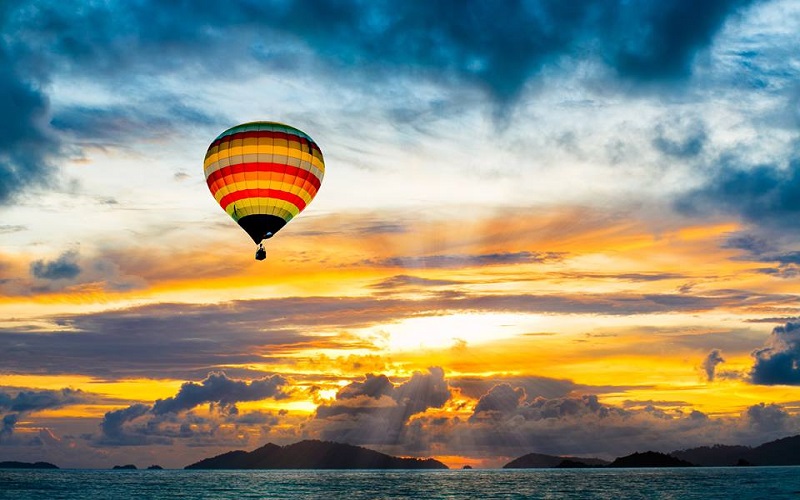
(556, 227)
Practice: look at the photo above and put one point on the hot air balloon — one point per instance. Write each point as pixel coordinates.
(263, 174)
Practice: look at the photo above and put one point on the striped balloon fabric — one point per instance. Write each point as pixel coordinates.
(263, 174)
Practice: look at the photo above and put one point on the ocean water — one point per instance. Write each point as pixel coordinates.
(729, 483)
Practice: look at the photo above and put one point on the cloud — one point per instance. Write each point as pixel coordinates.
(171, 418)
(404, 280)
(9, 421)
(29, 401)
(762, 249)
(470, 42)
(665, 43)
(373, 386)
(500, 400)
(376, 411)
(768, 417)
(62, 268)
(189, 340)
(778, 362)
(32, 400)
(761, 194)
(788, 264)
(218, 388)
(422, 391)
(26, 148)
(113, 422)
(680, 140)
(710, 363)
(751, 243)
(463, 45)
(466, 260)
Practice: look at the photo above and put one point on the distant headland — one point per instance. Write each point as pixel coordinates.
(27, 465)
(784, 451)
(313, 454)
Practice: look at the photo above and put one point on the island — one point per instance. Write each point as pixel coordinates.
(542, 461)
(27, 465)
(649, 459)
(313, 454)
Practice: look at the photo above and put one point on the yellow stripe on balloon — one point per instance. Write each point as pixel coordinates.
(229, 153)
(233, 187)
(271, 205)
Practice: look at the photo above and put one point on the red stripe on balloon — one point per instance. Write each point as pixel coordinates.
(262, 193)
(264, 167)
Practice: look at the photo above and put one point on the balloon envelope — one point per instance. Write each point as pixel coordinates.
(263, 174)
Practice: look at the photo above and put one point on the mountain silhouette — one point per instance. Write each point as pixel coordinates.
(27, 465)
(313, 455)
(785, 451)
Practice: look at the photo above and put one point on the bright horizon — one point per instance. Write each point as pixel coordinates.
(569, 231)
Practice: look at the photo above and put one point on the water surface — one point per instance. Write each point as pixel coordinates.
(680, 483)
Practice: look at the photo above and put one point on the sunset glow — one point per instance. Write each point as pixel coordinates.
(572, 247)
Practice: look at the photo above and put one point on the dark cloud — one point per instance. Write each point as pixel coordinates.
(762, 194)
(769, 417)
(468, 41)
(376, 411)
(9, 421)
(189, 340)
(788, 264)
(373, 386)
(141, 424)
(32, 400)
(218, 388)
(680, 140)
(500, 400)
(758, 248)
(122, 44)
(26, 148)
(751, 243)
(422, 391)
(27, 401)
(787, 271)
(465, 260)
(113, 422)
(669, 34)
(178, 340)
(710, 363)
(778, 363)
(62, 268)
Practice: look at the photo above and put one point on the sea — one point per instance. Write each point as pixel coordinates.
(737, 483)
